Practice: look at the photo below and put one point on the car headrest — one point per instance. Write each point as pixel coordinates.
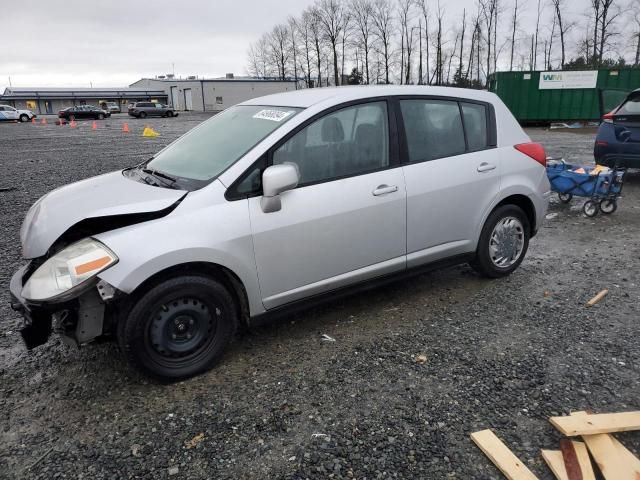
(332, 130)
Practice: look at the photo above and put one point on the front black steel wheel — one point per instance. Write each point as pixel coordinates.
(179, 328)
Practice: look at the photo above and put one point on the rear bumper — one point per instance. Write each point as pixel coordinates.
(622, 160)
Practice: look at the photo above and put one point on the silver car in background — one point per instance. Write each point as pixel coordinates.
(275, 202)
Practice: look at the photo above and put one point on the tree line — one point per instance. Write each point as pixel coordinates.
(336, 42)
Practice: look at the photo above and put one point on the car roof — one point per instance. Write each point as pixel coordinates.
(334, 95)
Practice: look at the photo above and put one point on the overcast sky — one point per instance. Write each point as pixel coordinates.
(116, 42)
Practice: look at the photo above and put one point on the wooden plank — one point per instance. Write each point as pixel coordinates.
(627, 456)
(570, 459)
(556, 463)
(501, 456)
(608, 457)
(593, 424)
(598, 297)
(583, 460)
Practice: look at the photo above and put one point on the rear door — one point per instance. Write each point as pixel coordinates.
(346, 220)
(452, 173)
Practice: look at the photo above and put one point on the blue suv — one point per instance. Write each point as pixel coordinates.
(618, 138)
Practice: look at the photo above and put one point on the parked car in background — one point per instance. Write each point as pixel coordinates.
(272, 203)
(9, 113)
(151, 109)
(83, 111)
(618, 138)
(111, 107)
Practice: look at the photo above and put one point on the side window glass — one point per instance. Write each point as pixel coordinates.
(433, 129)
(251, 182)
(347, 142)
(475, 124)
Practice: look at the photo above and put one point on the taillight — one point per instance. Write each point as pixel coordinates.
(608, 118)
(533, 150)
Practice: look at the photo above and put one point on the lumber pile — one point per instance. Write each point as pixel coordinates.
(572, 461)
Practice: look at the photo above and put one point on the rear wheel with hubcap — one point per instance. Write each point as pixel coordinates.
(179, 328)
(503, 242)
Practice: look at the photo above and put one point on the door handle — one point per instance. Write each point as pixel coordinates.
(384, 189)
(485, 167)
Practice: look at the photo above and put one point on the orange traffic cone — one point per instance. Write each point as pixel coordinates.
(72, 124)
(94, 125)
(43, 121)
(125, 128)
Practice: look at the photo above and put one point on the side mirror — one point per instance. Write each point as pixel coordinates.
(276, 180)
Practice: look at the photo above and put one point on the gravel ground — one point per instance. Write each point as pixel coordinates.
(284, 403)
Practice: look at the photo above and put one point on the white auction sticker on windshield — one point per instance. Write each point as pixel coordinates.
(273, 115)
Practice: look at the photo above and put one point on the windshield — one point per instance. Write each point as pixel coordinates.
(208, 150)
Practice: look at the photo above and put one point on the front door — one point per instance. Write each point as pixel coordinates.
(188, 99)
(452, 173)
(346, 221)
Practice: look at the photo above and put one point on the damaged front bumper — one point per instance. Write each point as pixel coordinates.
(79, 320)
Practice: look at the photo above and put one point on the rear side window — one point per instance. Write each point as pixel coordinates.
(433, 129)
(475, 124)
(630, 107)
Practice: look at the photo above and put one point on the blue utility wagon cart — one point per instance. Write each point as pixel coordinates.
(601, 185)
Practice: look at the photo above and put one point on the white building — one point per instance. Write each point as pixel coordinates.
(212, 95)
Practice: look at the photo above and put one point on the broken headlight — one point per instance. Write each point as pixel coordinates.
(68, 270)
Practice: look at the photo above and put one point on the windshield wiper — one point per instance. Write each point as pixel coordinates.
(166, 180)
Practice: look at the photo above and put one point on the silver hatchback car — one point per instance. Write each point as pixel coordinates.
(275, 202)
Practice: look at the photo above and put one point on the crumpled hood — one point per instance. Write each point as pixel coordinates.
(96, 198)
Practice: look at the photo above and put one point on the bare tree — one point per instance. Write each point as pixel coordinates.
(607, 18)
(489, 9)
(535, 44)
(306, 40)
(464, 25)
(514, 27)
(362, 13)
(405, 11)
(563, 28)
(279, 52)
(293, 32)
(331, 17)
(425, 16)
(383, 28)
(316, 36)
(438, 74)
(636, 33)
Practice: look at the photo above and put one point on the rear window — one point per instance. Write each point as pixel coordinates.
(433, 129)
(475, 124)
(630, 107)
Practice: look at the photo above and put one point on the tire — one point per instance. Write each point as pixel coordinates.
(178, 328)
(101, 116)
(169, 114)
(608, 206)
(565, 197)
(507, 220)
(24, 118)
(142, 115)
(590, 208)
